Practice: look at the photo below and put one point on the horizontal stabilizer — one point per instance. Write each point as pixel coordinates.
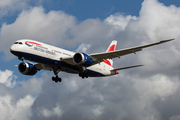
(127, 67)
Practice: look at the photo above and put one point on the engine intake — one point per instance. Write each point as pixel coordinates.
(82, 59)
(27, 68)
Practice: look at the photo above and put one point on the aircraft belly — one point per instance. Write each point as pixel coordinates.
(92, 73)
(97, 71)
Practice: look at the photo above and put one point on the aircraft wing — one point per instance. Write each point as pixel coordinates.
(40, 66)
(99, 57)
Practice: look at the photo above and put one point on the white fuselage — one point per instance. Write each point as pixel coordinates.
(50, 56)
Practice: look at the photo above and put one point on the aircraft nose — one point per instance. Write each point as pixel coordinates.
(12, 49)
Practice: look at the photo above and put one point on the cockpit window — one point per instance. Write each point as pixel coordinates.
(18, 43)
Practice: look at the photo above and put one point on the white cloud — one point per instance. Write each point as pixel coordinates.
(17, 97)
(12, 7)
(97, 111)
(54, 112)
(5, 3)
(83, 48)
(21, 110)
(156, 86)
(36, 24)
(177, 117)
(161, 22)
(119, 21)
(7, 7)
(6, 78)
(31, 86)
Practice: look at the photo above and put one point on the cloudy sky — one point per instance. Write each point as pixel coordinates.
(151, 92)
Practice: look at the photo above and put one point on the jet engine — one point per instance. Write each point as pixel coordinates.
(27, 68)
(82, 59)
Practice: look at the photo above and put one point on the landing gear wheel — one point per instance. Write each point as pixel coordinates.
(53, 78)
(59, 79)
(83, 75)
(56, 79)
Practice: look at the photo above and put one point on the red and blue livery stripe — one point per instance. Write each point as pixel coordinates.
(30, 43)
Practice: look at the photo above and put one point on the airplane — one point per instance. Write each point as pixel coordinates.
(41, 56)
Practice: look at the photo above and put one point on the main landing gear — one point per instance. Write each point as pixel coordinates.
(83, 75)
(56, 79)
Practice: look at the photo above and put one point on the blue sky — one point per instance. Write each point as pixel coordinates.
(83, 9)
(89, 26)
(96, 9)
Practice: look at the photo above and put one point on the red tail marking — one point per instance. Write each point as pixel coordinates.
(107, 62)
(112, 48)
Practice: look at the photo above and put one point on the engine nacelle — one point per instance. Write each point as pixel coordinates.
(27, 68)
(82, 59)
